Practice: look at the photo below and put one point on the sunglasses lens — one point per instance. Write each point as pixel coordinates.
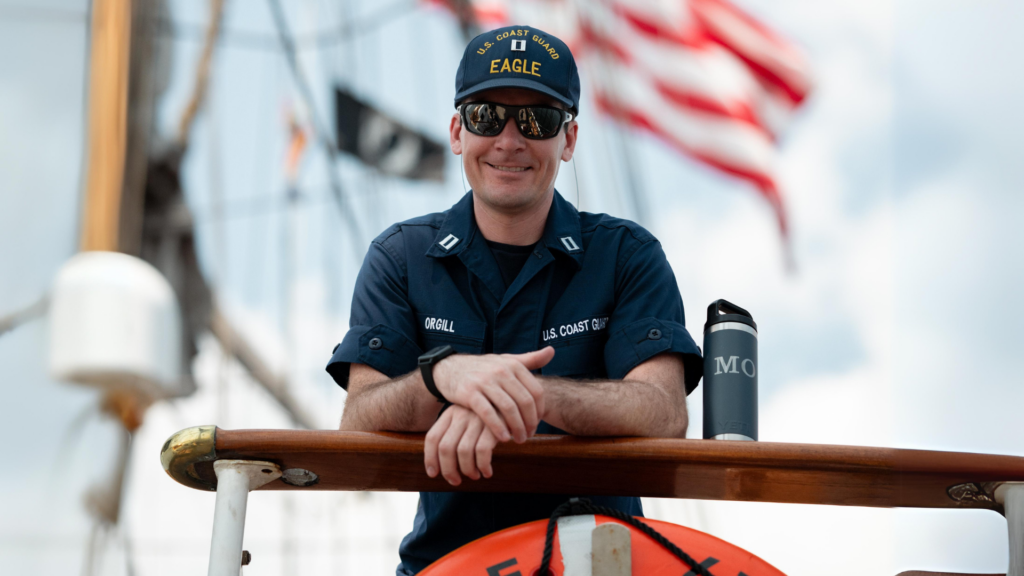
(483, 119)
(535, 122)
(539, 122)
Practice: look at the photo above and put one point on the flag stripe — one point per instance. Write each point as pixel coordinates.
(700, 80)
(718, 22)
(764, 183)
(691, 37)
(769, 57)
(702, 75)
(736, 143)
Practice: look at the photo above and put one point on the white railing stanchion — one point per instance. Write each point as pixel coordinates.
(1011, 496)
(235, 478)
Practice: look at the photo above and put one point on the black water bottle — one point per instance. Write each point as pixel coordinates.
(730, 373)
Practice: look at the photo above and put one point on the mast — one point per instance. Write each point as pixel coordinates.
(108, 119)
(132, 187)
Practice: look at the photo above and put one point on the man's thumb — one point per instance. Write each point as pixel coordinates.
(537, 360)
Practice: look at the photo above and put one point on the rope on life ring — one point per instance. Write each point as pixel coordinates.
(577, 506)
(517, 551)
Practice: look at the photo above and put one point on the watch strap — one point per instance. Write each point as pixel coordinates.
(427, 362)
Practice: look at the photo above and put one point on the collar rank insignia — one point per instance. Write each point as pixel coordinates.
(449, 242)
(569, 243)
(519, 45)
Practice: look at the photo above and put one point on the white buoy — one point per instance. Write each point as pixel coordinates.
(115, 325)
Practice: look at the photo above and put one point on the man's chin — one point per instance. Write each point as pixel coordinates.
(509, 198)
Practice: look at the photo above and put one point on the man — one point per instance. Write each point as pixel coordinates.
(524, 315)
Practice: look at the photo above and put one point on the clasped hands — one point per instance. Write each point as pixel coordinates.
(495, 399)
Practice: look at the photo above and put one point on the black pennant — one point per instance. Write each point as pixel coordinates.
(384, 143)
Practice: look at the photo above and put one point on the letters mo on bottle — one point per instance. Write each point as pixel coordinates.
(729, 367)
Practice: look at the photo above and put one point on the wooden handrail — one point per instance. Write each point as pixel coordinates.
(654, 467)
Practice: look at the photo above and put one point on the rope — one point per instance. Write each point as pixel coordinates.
(19, 317)
(320, 128)
(202, 80)
(577, 506)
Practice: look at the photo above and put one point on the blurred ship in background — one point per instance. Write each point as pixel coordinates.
(239, 159)
(147, 303)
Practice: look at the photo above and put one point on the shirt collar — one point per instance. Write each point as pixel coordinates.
(561, 231)
(457, 230)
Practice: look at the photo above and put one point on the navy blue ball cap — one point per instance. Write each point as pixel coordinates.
(519, 57)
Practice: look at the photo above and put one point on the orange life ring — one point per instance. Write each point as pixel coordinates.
(517, 551)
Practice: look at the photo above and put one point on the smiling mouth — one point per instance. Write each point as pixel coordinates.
(509, 168)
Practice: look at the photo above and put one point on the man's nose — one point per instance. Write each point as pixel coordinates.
(510, 137)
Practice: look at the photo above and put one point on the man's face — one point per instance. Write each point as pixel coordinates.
(509, 172)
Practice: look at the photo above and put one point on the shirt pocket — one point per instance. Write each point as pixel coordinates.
(466, 336)
(578, 357)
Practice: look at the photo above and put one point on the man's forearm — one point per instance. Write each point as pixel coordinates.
(615, 408)
(401, 404)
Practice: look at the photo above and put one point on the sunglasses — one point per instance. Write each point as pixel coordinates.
(534, 122)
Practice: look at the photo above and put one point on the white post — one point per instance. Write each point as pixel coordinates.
(1011, 496)
(235, 478)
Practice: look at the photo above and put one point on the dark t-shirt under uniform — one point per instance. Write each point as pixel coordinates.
(597, 288)
(510, 259)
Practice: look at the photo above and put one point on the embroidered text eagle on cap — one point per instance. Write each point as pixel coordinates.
(519, 57)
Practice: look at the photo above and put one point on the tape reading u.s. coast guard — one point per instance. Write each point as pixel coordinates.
(574, 328)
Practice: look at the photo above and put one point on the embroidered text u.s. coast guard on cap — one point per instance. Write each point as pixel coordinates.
(519, 57)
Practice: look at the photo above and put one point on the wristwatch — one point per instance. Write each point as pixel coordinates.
(427, 362)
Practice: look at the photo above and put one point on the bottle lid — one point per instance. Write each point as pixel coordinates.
(724, 311)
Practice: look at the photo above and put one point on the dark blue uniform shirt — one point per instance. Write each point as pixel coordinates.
(597, 288)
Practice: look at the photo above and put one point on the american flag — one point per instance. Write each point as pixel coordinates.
(701, 74)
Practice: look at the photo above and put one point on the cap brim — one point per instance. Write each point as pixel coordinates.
(514, 83)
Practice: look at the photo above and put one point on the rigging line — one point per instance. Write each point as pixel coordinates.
(339, 71)
(19, 317)
(322, 40)
(84, 127)
(618, 132)
(219, 238)
(202, 74)
(320, 130)
(89, 562)
(45, 14)
(577, 177)
(333, 263)
(243, 39)
(264, 205)
(216, 183)
(69, 441)
(350, 29)
(257, 242)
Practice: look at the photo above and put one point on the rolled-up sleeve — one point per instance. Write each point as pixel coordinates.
(648, 317)
(382, 330)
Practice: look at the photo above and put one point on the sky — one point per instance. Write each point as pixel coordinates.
(899, 327)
